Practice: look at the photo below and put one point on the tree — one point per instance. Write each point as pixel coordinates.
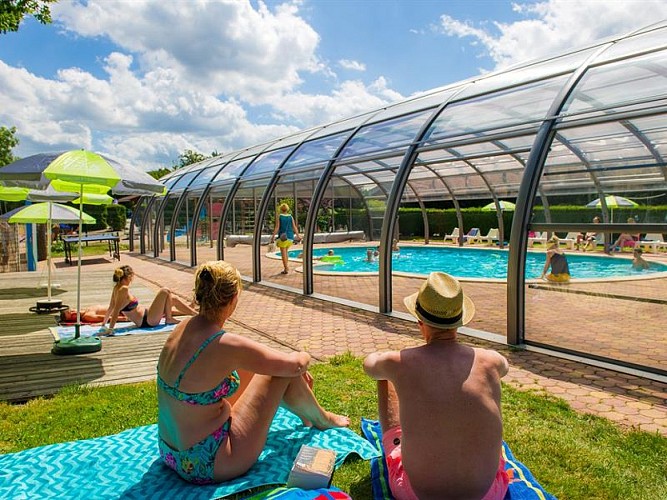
(12, 12)
(160, 172)
(8, 141)
(188, 157)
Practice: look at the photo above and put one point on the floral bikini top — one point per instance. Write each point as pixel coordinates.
(226, 388)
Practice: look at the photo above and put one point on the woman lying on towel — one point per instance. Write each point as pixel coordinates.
(218, 392)
(122, 301)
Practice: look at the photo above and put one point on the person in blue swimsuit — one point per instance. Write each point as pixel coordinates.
(287, 233)
(165, 304)
(218, 391)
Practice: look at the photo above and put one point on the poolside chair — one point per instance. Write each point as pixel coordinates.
(653, 241)
(454, 236)
(492, 236)
(472, 235)
(537, 238)
(570, 239)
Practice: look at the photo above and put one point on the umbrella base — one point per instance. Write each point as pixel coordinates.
(45, 306)
(81, 345)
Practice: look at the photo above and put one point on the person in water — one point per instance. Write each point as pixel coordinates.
(560, 271)
(218, 391)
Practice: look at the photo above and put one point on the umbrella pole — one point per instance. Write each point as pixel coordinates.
(48, 252)
(77, 327)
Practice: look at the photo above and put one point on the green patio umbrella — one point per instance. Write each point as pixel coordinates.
(612, 202)
(504, 206)
(79, 171)
(47, 213)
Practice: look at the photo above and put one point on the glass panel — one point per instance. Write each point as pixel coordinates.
(317, 151)
(267, 162)
(646, 41)
(605, 293)
(490, 113)
(298, 197)
(527, 73)
(209, 173)
(429, 100)
(183, 182)
(343, 125)
(148, 225)
(620, 83)
(240, 225)
(231, 171)
(166, 220)
(185, 219)
(385, 136)
(139, 219)
(349, 217)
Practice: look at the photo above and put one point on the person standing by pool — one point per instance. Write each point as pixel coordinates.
(287, 232)
(560, 271)
(439, 403)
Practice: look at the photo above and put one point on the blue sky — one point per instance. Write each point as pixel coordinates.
(143, 80)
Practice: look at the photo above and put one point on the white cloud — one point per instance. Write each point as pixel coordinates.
(555, 26)
(352, 65)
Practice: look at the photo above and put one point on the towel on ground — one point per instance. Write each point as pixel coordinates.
(523, 486)
(284, 493)
(121, 329)
(128, 465)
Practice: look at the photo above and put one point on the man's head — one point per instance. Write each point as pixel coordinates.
(440, 303)
(637, 252)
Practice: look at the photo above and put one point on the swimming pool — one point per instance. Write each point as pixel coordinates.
(476, 263)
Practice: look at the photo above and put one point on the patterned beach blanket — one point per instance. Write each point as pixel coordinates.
(523, 486)
(127, 465)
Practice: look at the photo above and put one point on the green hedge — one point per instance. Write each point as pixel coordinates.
(113, 216)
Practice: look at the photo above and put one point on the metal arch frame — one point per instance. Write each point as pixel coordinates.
(394, 201)
(143, 229)
(260, 213)
(316, 200)
(200, 204)
(132, 219)
(158, 215)
(361, 197)
(516, 293)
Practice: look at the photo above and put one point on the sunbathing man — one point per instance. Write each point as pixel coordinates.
(439, 404)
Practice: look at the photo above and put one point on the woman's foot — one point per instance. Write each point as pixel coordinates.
(284, 271)
(330, 420)
(172, 321)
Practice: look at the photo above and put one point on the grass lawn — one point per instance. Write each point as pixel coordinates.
(574, 456)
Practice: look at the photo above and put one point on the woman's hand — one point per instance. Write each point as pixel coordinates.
(309, 379)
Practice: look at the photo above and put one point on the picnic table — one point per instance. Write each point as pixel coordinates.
(112, 239)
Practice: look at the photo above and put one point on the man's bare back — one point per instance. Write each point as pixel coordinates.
(448, 408)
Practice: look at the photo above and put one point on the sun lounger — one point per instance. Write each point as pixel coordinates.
(492, 236)
(537, 238)
(570, 240)
(472, 235)
(454, 237)
(653, 241)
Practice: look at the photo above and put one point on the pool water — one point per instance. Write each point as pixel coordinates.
(476, 263)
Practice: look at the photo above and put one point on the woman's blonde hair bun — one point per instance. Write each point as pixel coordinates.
(216, 284)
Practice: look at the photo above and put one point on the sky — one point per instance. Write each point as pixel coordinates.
(145, 80)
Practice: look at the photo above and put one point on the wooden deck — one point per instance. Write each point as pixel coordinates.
(27, 367)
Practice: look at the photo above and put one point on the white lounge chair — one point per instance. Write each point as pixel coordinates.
(653, 241)
(492, 236)
(454, 236)
(570, 240)
(538, 238)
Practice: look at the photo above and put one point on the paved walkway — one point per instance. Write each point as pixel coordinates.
(325, 329)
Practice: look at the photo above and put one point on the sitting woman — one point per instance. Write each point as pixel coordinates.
(218, 392)
(625, 239)
(560, 271)
(122, 301)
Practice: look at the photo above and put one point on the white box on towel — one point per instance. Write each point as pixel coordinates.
(313, 468)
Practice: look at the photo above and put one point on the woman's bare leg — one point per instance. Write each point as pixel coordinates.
(161, 306)
(180, 307)
(283, 255)
(252, 416)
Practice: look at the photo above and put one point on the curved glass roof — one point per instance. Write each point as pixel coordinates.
(474, 138)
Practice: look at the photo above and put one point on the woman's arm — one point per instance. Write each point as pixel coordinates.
(122, 298)
(296, 229)
(547, 263)
(275, 228)
(258, 358)
(107, 315)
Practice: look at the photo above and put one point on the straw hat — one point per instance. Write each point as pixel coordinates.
(441, 303)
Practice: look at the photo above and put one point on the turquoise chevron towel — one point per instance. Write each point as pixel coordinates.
(127, 465)
(523, 486)
(121, 329)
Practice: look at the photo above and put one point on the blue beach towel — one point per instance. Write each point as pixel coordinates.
(121, 329)
(127, 465)
(523, 486)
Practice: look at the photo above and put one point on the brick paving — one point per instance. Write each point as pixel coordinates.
(325, 328)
